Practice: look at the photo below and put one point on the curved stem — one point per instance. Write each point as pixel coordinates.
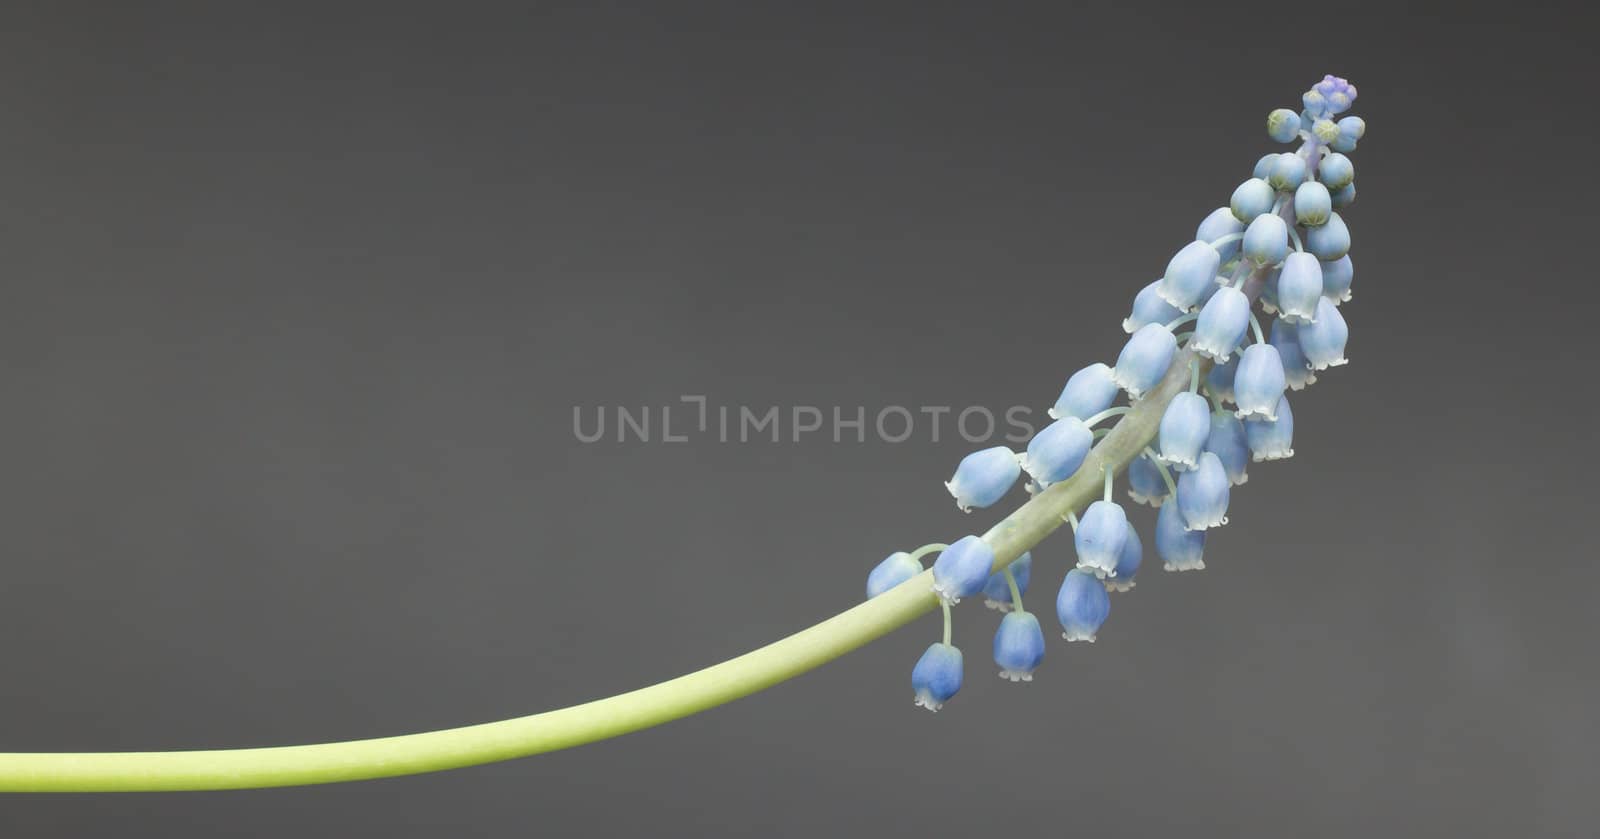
(601, 719)
(1016, 593)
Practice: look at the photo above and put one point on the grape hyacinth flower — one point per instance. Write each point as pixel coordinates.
(1323, 340)
(1222, 323)
(1203, 494)
(1227, 441)
(1180, 548)
(1190, 274)
(984, 477)
(1299, 288)
(1336, 172)
(1312, 204)
(1283, 125)
(1121, 580)
(1329, 241)
(1219, 382)
(1287, 173)
(1145, 358)
(1099, 536)
(962, 569)
(1018, 646)
(1057, 451)
(1183, 431)
(1271, 439)
(937, 676)
(1088, 392)
(1266, 240)
(1253, 198)
(1339, 94)
(1259, 382)
(1336, 277)
(1351, 130)
(892, 571)
(1344, 197)
(1221, 227)
(1145, 484)
(1285, 339)
(1082, 606)
(997, 592)
(1148, 308)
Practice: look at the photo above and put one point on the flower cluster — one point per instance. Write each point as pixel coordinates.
(1280, 245)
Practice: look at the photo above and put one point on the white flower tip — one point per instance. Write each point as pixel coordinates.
(1053, 414)
(943, 595)
(1016, 675)
(1078, 635)
(1119, 586)
(1130, 326)
(925, 700)
(991, 603)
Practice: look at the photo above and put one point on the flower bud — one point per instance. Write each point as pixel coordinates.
(1144, 359)
(1222, 324)
(983, 477)
(1325, 130)
(1283, 125)
(1180, 548)
(1252, 198)
(1088, 392)
(1264, 165)
(1082, 606)
(937, 676)
(1259, 382)
(1312, 204)
(1330, 241)
(1018, 646)
(1190, 274)
(892, 571)
(1323, 341)
(1203, 494)
(1336, 171)
(1299, 287)
(1099, 537)
(962, 569)
(1183, 431)
(1288, 172)
(1266, 240)
(1271, 439)
(1345, 197)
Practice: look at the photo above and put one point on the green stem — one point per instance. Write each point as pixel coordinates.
(946, 606)
(1016, 593)
(601, 719)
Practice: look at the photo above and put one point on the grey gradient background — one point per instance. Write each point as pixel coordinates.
(297, 305)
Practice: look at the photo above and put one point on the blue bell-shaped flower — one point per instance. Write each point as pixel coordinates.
(892, 571)
(1148, 308)
(1323, 342)
(1127, 563)
(1180, 548)
(1330, 241)
(1099, 537)
(1057, 451)
(1082, 606)
(1259, 382)
(1285, 339)
(1088, 392)
(1227, 442)
(1144, 359)
(1299, 287)
(1288, 172)
(1145, 484)
(962, 569)
(1266, 240)
(1219, 382)
(1344, 197)
(1336, 276)
(1018, 646)
(1190, 274)
(1283, 125)
(997, 592)
(937, 676)
(1184, 427)
(1203, 494)
(983, 477)
(1222, 324)
(1219, 225)
(1336, 172)
(1271, 439)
